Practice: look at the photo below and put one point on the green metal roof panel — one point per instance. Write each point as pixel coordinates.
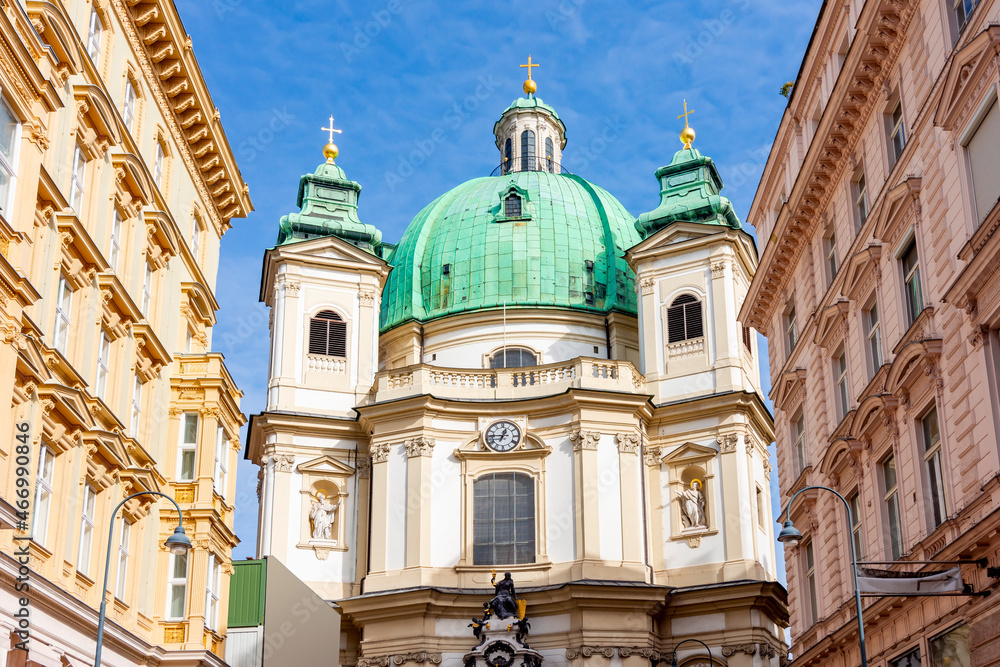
(459, 254)
(246, 593)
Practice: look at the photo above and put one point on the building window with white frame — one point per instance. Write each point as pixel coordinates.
(64, 303)
(812, 601)
(121, 574)
(177, 581)
(832, 263)
(195, 238)
(133, 430)
(77, 178)
(10, 134)
(158, 165)
(911, 281)
(890, 499)
(86, 529)
(799, 438)
(791, 327)
(147, 290)
(935, 471)
(503, 524)
(221, 465)
(983, 150)
(103, 365)
(857, 533)
(860, 190)
(212, 593)
(115, 242)
(897, 132)
(963, 10)
(187, 448)
(94, 32)
(44, 474)
(128, 109)
(873, 332)
(840, 377)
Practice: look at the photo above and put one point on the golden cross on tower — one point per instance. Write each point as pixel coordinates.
(529, 86)
(687, 134)
(330, 151)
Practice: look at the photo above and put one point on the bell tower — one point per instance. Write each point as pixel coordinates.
(530, 134)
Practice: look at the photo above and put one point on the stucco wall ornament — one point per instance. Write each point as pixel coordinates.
(693, 505)
(748, 649)
(380, 452)
(727, 442)
(419, 447)
(584, 440)
(627, 442)
(323, 513)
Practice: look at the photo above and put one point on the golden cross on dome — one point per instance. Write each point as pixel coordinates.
(331, 130)
(529, 66)
(683, 115)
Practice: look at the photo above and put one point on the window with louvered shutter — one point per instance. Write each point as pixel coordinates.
(328, 335)
(747, 338)
(684, 319)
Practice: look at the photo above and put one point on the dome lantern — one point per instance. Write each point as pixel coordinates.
(530, 134)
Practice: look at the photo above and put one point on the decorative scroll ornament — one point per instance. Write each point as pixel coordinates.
(283, 462)
(748, 649)
(652, 456)
(584, 440)
(727, 442)
(419, 447)
(364, 467)
(380, 452)
(627, 442)
(646, 285)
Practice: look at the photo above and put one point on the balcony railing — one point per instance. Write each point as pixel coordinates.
(509, 383)
(529, 163)
(320, 363)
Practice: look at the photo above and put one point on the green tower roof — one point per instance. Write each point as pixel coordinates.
(689, 191)
(328, 203)
(565, 250)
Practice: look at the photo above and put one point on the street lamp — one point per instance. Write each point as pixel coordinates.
(673, 655)
(790, 536)
(178, 544)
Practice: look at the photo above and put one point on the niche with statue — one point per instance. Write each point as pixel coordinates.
(691, 479)
(324, 498)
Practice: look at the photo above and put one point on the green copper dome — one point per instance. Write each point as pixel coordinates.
(565, 249)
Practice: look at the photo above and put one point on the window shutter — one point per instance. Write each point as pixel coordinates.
(684, 319)
(984, 158)
(328, 335)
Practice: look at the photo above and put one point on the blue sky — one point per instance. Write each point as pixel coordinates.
(416, 87)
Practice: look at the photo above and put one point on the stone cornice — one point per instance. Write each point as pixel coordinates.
(853, 101)
(153, 28)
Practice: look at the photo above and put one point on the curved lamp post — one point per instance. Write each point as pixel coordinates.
(178, 544)
(790, 536)
(673, 655)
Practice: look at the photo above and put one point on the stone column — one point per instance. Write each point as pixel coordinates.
(631, 496)
(418, 514)
(731, 495)
(585, 468)
(380, 507)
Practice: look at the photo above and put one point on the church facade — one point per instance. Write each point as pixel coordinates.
(530, 381)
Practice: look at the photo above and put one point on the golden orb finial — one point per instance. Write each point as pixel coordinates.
(530, 86)
(687, 134)
(330, 150)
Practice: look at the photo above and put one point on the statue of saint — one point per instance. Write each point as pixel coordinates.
(323, 513)
(504, 602)
(693, 505)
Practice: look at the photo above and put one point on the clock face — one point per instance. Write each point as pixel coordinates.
(503, 436)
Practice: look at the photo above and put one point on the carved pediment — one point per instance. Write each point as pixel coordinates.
(966, 78)
(789, 389)
(870, 412)
(860, 267)
(80, 257)
(109, 446)
(57, 31)
(151, 356)
(898, 207)
(117, 309)
(201, 303)
(99, 119)
(161, 242)
(325, 466)
(838, 454)
(133, 185)
(831, 325)
(689, 452)
(913, 360)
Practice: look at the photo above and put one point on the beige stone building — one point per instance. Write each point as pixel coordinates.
(878, 291)
(534, 381)
(116, 186)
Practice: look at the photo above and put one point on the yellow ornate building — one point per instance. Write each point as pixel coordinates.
(117, 184)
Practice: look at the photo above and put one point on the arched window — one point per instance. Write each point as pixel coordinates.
(527, 151)
(506, 157)
(684, 319)
(503, 522)
(550, 155)
(512, 206)
(513, 357)
(328, 335)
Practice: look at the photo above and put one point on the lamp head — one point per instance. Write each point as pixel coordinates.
(178, 543)
(789, 534)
